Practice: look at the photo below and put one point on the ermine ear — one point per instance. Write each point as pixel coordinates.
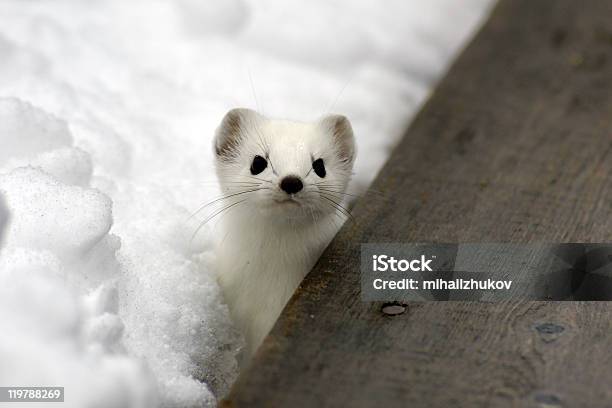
(342, 132)
(231, 130)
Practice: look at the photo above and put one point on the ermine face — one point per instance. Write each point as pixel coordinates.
(284, 169)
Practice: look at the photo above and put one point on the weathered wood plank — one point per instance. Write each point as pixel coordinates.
(515, 145)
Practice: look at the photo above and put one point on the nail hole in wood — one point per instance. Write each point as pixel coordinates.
(394, 308)
(549, 332)
(549, 328)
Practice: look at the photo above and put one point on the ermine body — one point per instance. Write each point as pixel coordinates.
(284, 185)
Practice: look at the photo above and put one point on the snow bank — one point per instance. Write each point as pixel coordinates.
(107, 112)
(56, 328)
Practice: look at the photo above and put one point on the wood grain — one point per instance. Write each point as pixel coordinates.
(515, 145)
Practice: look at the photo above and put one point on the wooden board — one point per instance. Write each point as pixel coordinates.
(515, 145)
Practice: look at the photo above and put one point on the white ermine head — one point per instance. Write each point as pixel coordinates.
(284, 170)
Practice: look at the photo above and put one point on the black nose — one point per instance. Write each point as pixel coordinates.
(291, 184)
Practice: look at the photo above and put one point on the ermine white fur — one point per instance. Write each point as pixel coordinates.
(284, 183)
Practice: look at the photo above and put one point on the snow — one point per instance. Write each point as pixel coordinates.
(107, 112)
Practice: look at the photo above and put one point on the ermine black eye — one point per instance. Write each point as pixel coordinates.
(319, 167)
(259, 164)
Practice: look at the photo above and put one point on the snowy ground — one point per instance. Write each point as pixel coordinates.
(107, 110)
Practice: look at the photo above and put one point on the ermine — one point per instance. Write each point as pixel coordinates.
(284, 185)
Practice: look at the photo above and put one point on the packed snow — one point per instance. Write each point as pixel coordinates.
(107, 113)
